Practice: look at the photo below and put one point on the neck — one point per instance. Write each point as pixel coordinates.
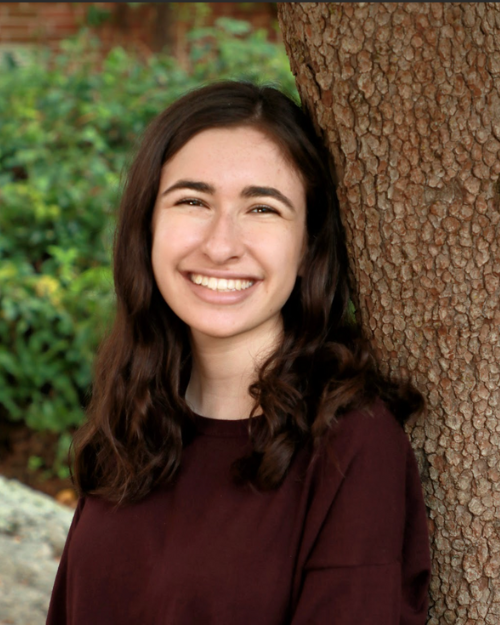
(223, 369)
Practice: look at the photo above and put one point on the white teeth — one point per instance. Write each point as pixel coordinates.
(222, 285)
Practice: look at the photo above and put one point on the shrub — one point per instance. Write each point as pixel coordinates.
(68, 123)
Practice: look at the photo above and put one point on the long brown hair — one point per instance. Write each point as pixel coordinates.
(138, 421)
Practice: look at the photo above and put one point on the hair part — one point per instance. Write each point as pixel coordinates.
(138, 420)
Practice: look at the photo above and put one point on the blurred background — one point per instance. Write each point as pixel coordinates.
(79, 82)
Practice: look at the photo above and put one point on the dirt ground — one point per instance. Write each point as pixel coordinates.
(17, 444)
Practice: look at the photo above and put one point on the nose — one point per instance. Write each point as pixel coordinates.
(222, 241)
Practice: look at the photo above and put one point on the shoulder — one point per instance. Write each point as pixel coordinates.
(370, 437)
(364, 463)
(359, 498)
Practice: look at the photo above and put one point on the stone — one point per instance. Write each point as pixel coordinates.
(33, 530)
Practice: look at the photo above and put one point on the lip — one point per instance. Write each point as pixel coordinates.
(218, 297)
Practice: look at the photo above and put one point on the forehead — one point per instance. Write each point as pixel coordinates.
(245, 151)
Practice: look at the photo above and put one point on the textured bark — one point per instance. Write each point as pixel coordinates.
(407, 96)
(164, 27)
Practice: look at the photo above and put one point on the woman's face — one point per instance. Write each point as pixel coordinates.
(229, 233)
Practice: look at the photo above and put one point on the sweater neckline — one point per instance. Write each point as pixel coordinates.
(223, 427)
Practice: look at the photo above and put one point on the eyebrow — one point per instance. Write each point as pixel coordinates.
(267, 192)
(252, 191)
(191, 184)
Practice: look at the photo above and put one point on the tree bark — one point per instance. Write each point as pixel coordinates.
(407, 97)
(164, 27)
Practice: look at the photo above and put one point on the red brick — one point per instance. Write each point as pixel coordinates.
(28, 9)
(14, 22)
(18, 36)
(10, 8)
(49, 21)
(52, 9)
(62, 22)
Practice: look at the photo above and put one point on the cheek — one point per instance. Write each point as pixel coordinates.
(173, 239)
(285, 257)
(165, 253)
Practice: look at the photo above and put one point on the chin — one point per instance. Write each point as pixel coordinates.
(216, 333)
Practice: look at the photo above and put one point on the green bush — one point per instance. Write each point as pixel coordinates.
(68, 124)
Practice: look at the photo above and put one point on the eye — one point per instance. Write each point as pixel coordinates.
(263, 210)
(190, 201)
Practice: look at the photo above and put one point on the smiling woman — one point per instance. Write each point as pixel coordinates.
(243, 461)
(227, 249)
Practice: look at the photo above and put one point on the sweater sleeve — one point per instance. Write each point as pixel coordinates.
(368, 560)
(57, 614)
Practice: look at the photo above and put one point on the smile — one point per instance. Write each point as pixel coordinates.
(222, 285)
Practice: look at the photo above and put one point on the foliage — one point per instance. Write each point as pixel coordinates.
(241, 51)
(67, 126)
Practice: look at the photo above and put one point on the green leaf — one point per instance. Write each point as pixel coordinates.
(69, 123)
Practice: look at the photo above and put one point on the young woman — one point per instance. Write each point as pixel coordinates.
(243, 462)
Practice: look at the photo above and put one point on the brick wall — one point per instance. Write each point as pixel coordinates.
(46, 23)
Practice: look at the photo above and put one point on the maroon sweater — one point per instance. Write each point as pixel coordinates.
(341, 542)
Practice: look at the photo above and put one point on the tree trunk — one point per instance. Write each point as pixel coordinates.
(164, 27)
(407, 96)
